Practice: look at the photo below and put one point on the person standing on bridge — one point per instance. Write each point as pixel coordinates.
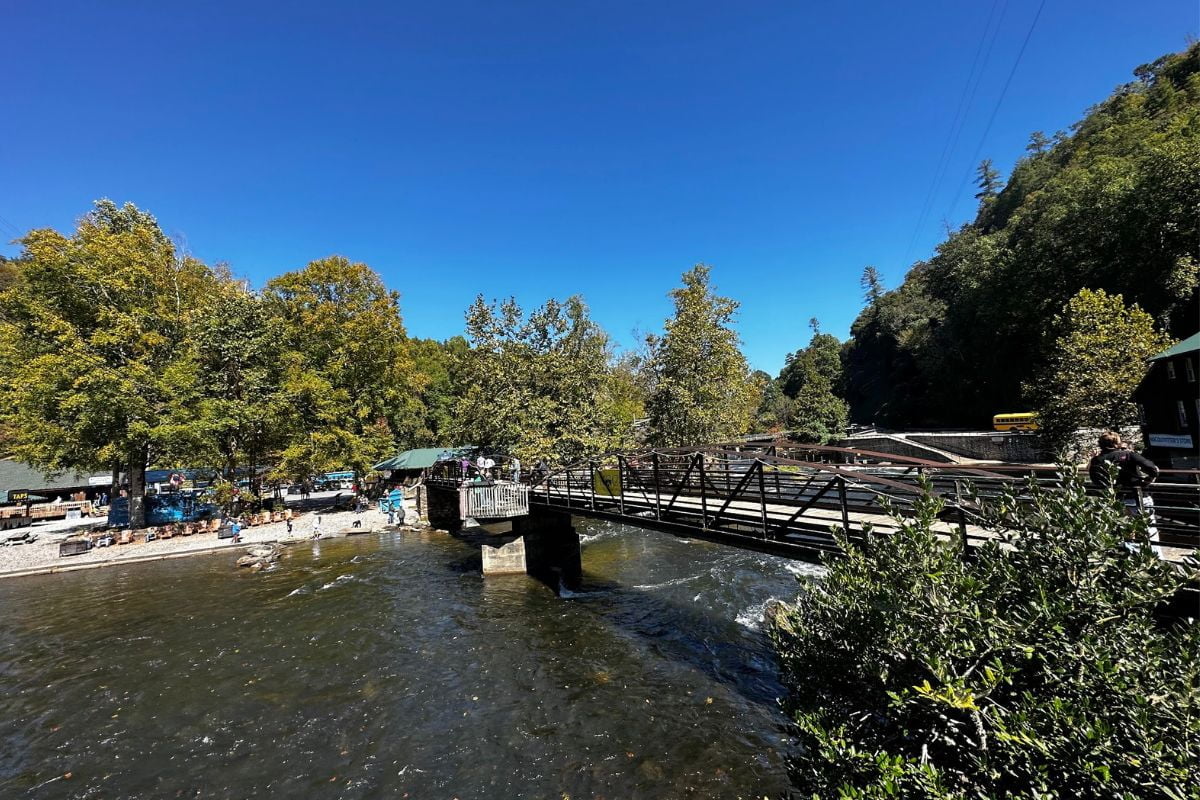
(516, 469)
(1117, 467)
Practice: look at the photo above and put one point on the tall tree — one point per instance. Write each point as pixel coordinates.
(538, 385)
(1098, 358)
(703, 391)
(96, 364)
(987, 178)
(436, 364)
(354, 387)
(811, 378)
(241, 412)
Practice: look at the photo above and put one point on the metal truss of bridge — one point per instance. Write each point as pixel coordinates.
(785, 497)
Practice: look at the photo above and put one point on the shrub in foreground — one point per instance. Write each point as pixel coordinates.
(1035, 670)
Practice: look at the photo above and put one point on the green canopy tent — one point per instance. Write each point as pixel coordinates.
(420, 458)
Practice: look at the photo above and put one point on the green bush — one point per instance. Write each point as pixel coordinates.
(1035, 670)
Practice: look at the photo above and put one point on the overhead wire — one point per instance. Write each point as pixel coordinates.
(965, 100)
(10, 228)
(996, 109)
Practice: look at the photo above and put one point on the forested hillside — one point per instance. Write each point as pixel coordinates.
(1111, 206)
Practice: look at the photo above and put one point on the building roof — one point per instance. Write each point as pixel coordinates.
(1188, 345)
(420, 458)
(15, 476)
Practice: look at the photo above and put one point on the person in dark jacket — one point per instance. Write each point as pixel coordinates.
(1118, 467)
(1128, 465)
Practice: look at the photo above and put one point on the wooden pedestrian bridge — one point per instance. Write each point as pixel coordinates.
(780, 497)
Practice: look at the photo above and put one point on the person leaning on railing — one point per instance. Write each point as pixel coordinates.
(1118, 467)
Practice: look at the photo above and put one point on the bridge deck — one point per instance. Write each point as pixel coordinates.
(810, 531)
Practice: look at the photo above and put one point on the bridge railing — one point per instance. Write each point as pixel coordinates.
(750, 492)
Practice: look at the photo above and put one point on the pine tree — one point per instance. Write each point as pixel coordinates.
(703, 391)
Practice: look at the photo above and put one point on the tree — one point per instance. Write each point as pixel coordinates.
(1034, 670)
(703, 391)
(436, 364)
(241, 413)
(987, 178)
(96, 363)
(1097, 360)
(1038, 143)
(775, 407)
(349, 375)
(810, 379)
(538, 385)
(872, 285)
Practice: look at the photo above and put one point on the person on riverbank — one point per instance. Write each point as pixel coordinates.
(316, 528)
(1117, 467)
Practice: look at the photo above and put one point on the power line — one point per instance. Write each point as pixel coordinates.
(999, 100)
(965, 100)
(10, 228)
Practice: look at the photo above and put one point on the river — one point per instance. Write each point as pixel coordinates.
(385, 665)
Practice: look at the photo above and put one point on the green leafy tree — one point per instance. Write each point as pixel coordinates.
(702, 388)
(436, 364)
(538, 385)
(241, 414)
(1035, 670)
(775, 407)
(1098, 359)
(810, 379)
(96, 365)
(348, 375)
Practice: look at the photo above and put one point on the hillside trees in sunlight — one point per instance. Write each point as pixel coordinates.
(540, 384)
(96, 362)
(1110, 206)
(703, 390)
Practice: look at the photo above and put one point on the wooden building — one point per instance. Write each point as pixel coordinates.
(1169, 401)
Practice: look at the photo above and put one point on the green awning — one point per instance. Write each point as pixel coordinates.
(420, 458)
(1188, 345)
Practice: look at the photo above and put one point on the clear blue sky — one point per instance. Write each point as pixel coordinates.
(542, 149)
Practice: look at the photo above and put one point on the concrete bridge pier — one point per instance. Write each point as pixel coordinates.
(551, 547)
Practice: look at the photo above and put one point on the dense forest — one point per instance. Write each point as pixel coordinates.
(1110, 206)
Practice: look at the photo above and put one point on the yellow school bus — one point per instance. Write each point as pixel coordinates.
(1025, 421)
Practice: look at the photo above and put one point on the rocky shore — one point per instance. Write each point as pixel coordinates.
(42, 556)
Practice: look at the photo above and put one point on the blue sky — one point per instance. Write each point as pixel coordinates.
(541, 149)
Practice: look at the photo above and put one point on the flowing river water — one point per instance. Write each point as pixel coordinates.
(385, 665)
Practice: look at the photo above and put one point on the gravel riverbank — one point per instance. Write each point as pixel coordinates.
(42, 555)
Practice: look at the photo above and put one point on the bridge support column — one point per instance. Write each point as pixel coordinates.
(442, 508)
(505, 559)
(551, 547)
